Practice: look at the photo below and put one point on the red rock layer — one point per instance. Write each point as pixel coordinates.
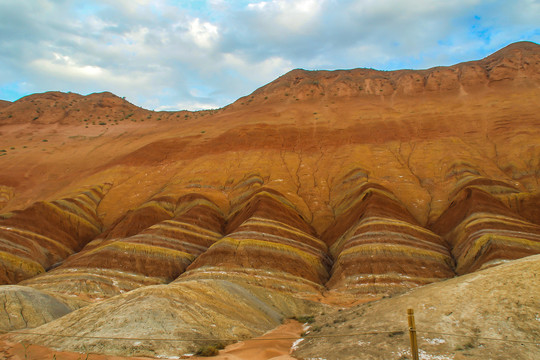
(158, 254)
(379, 248)
(134, 221)
(483, 232)
(268, 242)
(35, 239)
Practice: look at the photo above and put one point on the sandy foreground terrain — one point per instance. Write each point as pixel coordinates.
(489, 314)
(275, 345)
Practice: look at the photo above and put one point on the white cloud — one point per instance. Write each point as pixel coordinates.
(267, 69)
(65, 66)
(204, 34)
(291, 15)
(189, 105)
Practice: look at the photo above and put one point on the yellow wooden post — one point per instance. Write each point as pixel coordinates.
(412, 334)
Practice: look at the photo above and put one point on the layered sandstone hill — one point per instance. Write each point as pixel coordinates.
(38, 238)
(483, 232)
(379, 247)
(319, 188)
(156, 255)
(268, 241)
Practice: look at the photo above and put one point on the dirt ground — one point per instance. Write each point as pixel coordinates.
(274, 345)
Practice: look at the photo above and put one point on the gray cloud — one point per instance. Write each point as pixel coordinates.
(206, 54)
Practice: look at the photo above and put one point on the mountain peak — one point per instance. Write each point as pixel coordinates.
(518, 61)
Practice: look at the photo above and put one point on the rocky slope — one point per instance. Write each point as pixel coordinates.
(459, 318)
(319, 188)
(192, 313)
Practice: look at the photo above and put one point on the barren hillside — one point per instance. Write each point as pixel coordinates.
(322, 189)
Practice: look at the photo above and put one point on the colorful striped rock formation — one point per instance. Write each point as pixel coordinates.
(156, 255)
(6, 193)
(483, 232)
(379, 248)
(34, 240)
(268, 243)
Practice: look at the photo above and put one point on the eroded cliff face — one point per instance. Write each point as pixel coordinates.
(318, 188)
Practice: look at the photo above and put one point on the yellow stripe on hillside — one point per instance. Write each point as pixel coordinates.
(272, 246)
(375, 220)
(392, 236)
(283, 280)
(35, 236)
(196, 230)
(499, 219)
(73, 218)
(348, 204)
(358, 279)
(188, 205)
(281, 226)
(16, 262)
(65, 278)
(136, 248)
(95, 194)
(76, 207)
(503, 218)
(484, 218)
(279, 198)
(464, 239)
(159, 205)
(258, 218)
(479, 244)
(249, 234)
(378, 248)
(88, 200)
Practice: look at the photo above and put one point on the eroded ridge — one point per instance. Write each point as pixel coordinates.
(268, 244)
(379, 248)
(230, 291)
(35, 239)
(483, 232)
(158, 254)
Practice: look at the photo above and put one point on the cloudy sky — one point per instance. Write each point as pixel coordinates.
(193, 54)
